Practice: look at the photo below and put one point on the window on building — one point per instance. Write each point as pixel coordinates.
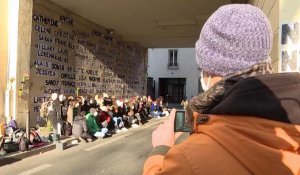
(173, 64)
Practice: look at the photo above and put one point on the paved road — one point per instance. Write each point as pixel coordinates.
(122, 154)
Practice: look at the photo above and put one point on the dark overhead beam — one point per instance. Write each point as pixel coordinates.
(239, 1)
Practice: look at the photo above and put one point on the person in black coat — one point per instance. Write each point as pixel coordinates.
(86, 107)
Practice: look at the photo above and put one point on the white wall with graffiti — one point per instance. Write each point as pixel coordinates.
(73, 56)
(289, 44)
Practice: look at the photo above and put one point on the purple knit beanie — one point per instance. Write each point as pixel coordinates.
(234, 38)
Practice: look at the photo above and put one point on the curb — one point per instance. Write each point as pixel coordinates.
(51, 146)
(36, 151)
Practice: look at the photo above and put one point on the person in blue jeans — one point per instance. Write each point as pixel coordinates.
(154, 110)
(118, 119)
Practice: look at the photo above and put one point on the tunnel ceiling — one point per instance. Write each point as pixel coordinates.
(149, 23)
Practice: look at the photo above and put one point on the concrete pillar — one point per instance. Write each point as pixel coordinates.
(23, 60)
(3, 54)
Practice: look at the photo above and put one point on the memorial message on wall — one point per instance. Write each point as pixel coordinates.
(73, 56)
(290, 47)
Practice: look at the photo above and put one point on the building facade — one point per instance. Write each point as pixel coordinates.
(174, 73)
(53, 50)
(39, 38)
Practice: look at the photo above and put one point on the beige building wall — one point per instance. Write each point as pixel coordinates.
(289, 10)
(271, 9)
(23, 60)
(128, 54)
(3, 53)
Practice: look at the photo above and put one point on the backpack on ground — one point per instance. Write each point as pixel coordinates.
(23, 143)
(66, 129)
(10, 147)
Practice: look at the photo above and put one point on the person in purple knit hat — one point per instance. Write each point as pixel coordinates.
(247, 119)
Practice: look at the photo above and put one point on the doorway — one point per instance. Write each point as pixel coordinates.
(151, 87)
(172, 89)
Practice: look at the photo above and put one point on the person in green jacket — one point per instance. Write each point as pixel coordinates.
(92, 126)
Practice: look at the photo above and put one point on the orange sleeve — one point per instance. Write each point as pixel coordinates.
(174, 162)
(153, 164)
(155, 160)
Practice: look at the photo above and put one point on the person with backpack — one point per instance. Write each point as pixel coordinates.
(247, 119)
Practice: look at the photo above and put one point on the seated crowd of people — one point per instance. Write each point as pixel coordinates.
(101, 117)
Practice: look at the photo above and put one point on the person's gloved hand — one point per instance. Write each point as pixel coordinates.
(164, 134)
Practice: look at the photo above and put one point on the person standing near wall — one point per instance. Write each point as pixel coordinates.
(70, 111)
(54, 113)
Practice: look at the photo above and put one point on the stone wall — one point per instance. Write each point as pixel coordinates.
(73, 56)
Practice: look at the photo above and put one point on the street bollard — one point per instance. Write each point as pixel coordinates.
(61, 145)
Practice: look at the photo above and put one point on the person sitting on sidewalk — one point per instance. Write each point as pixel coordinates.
(165, 112)
(92, 125)
(80, 129)
(86, 107)
(247, 119)
(134, 120)
(104, 120)
(118, 118)
(154, 110)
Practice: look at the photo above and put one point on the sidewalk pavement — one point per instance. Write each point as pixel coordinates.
(34, 151)
(53, 145)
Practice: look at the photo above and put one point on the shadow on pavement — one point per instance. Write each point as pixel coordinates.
(7, 161)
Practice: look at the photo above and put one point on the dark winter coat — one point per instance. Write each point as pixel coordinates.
(271, 96)
(86, 108)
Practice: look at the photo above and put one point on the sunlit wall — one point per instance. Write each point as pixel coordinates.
(3, 53)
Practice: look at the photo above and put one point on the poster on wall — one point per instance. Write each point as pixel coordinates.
(74, 57)
(289, 47)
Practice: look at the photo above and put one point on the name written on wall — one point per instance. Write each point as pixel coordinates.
(73, 58)
(290, 44)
